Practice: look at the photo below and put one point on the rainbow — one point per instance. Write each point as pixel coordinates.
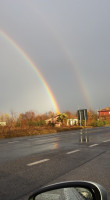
(31, 63)
(81, 82)
(82, 85)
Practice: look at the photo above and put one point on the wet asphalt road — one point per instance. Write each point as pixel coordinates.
(28, 163)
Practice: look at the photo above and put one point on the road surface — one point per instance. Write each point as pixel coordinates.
(27, 163)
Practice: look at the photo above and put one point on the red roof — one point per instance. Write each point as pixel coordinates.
(105, 110)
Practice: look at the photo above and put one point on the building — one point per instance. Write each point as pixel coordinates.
(2, 123)
(57, 123)
(53, 120)
(72, 122)
(104, 112)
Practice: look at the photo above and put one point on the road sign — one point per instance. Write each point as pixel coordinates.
(82, 115)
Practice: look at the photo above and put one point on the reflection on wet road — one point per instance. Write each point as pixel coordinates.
(28, 163)
(65, 141)
(84, 137)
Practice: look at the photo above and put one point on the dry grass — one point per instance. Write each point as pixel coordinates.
(6, 132)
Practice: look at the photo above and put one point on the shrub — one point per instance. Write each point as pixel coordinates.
(97, 123)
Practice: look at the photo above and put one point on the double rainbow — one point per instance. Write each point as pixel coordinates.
(85, 92)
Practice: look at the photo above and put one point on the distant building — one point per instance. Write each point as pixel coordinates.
(69, 122)
(104, 112)
(2, 123)
(53, 120)
(72, 122)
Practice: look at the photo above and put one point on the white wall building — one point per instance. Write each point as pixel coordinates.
(72, 122)
(2, 123)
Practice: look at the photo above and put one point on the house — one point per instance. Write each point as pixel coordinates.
(2, 123)
(53, 120)
(57, 123)
(72, 122)
(104, 112)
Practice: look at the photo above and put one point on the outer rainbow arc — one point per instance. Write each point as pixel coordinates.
(80, 81)
(63, 46)
(20, 50)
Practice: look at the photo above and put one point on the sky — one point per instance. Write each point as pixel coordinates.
(69, 44)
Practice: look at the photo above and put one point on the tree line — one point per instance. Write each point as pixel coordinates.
(33, 119)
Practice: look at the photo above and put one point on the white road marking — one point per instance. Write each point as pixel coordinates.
(70, 152)
(13, 142)
(93, 145)
(106, 141)
(37, 162)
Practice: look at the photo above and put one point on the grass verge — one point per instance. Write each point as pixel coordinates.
(17, 132)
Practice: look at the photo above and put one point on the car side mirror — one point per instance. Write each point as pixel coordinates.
(77, 190)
